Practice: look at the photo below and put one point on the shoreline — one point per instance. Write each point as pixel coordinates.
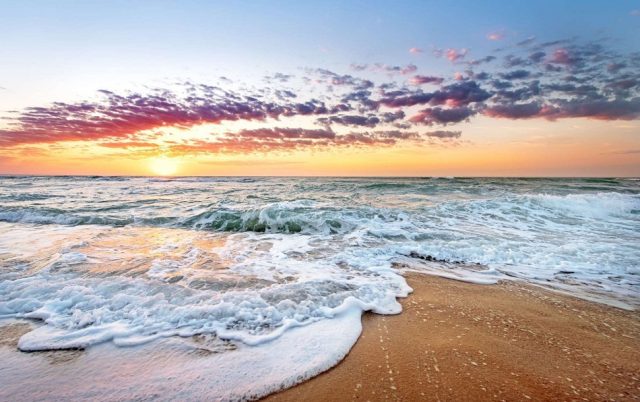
(509, 341)
(453, 341)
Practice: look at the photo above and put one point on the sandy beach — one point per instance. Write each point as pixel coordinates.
(461, 341)
(453, 341)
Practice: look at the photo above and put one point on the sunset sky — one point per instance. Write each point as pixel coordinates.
(358, 88)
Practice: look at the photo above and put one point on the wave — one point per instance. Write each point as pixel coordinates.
(590, 205)
(281, 217)
(387, 185)
(310, 217)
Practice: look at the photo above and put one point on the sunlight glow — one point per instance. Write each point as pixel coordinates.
(163, 166)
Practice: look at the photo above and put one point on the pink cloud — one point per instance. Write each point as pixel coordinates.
(495, 35)
(561, 56)
(454, 55)
(415, 50)
(426, 79)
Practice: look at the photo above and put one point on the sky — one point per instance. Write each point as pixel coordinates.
(331, 88)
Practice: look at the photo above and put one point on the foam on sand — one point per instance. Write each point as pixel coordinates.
(178, 368)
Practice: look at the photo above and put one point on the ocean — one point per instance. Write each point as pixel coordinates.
(271, 275)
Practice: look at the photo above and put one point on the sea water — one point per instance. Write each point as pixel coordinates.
(274, 273)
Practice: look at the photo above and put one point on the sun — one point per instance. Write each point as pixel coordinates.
(163, 166)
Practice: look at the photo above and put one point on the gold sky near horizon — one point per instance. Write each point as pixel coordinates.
(488, 147)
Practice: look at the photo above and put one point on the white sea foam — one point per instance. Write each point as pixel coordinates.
(290, 287)
(181, 369)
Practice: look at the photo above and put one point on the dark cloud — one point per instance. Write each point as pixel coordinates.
(527, 41)
(511, 61)
(444, 134)
(552, 80)
(119, 116)
(389, 117)
(351, 120)
(596, 109)
(600, 109)
(405, 98)
(480, 76)
(426, 79)
(615, 67)
(287, 139)
(515, 75)
(537, 57)
(477, 62)
(514, 111)
(437, 115)
(460, 93)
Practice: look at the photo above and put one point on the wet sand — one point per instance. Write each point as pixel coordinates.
(460, 341)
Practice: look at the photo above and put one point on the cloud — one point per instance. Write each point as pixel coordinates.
(635, 13)
(456, 94)
(515, 75)
(393, 70)
(594, 109)
(527, 42)
(444, 134)
(415, 50)
(279, 77)
(483, 60)
(514, 61)
(454, 55)
(288, 139)
(461, 93)
(359, 67)
(351, 120)
(426, 79)
(562, 56)
(600, 109)
(120, 116)
(553, 80)
(514, 111)
(343, 79)
(405, 98)
(615, 67)
(499, 35)
(128, 144)
(537, 57)
(442, 116)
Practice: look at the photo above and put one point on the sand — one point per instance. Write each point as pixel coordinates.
(460, 341)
